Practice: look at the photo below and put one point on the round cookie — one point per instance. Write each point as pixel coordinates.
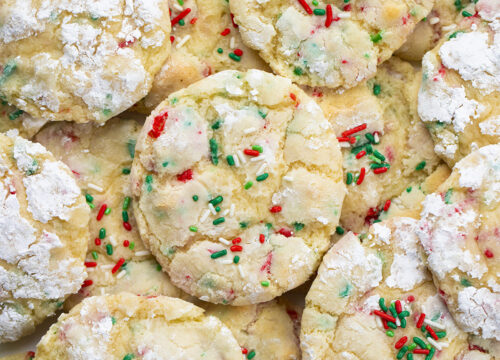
(379, 131)
(17, 120)
(80, 61)
(223, 173)
(459, 232)
(264, 331)
(43, 236)
(335, 44)
(207, 42)
(460, 91)
(101, 157)
(365, 279)
(126, 326)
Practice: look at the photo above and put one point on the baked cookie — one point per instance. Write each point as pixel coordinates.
(331, 44)
(385, 146)
(16, 119)
(205, 40)
(374, 299)
(224, 172)
(461, 88)
(43, 236)
(459, 232)
(80, 60)
(126, 326)
(101, 157)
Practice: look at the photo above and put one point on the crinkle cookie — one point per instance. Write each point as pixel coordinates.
(80, 60)
(460, 92)
(460, 234)
(126, 326)
(205, 41)
(374, 299)
(264, 331)
(101, 157)
(43, 236)
(385, 146)
(237, 186)
(19, 121)
(333, 43)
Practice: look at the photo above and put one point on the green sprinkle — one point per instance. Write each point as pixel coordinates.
(89, 198)
(131, 147)
(219, 254)
(220, 51)
(236, 259)
(298, 226)
(378, 155)
(107, 211)
(349, 179)
(244, 224)
(420, 342)
(132, 245)
(392, 325)
(125, 216)
(129, 357)
(213, 151)
(465, 282)
(389, 333)
(230, 160)
(193, 228)
(381, 303)
(440, 334)
(15, 114)
(126, 203)
(369, 149)
(454, 34)
(113, 320)
(458, 5)
(106, 112)
(181, 2)
(375, 38)
(319, 12)
(298, 71)
(234, 57)
(126, 171)
(403, 314)
(431, 354)
(339, 230)
(402, 352)
(447, 196)
(95, 255)
(408, 189)
(216, 125)
(345, 291)
(195, 197)
(158, 267)
(370, 138)
(109, 249)
(248, 185)
(8, 70)
(409, 356)
(420, 165)
(262, 177)
(102, 233)
(262, 114)
(217, 208)
(376, 90)
(182, 22)
(164, 164)
(315, 2)
(149, 180)
(91, 205)
(403, 323)
(466, 14)
(216, 200)
(264, 283)
(251, 354)
(393, 311)
(219, 221)
(258, 148)
(412, 347)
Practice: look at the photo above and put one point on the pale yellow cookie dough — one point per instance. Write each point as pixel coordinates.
(43, 236)
(394, 138)
(126, 326)
(387, 263)
(242, 161)
(298, 44)
(460, 234)
(202, 46)
(19, 121)
(460, 92)
(80, 60)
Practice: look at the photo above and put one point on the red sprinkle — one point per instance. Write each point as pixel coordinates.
(262, 238)
(172, 39)
(126, 243)
(185, 176)
(379, 170)
(431, 331)
(235, 248)
(354, 130)
(251, 152)
(100, 214)
(399, 308)
(329, 15)
(238, 52)
(275, 209)
(384, 323)
(384, 316)
(118, 265)
(225, 32)
(90, 264)
(127, 226)
(387, 206)
(293, 96)
(87, 283)
(361, 176)
(236, 240)
(420, 321)
(421, 351)
(488, 253)
(193, 21)
(97, 241)
(244, 351)
(360, 154)
(158, 125)
(401, 342)
(343, 139)
(306, 6)
(181, 16)
(285, 232)
(347, 7)
(411, 298)
(232, 20)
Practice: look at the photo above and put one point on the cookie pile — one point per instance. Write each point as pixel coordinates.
(250, 179)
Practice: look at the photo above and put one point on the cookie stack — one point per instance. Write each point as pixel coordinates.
(249, 179)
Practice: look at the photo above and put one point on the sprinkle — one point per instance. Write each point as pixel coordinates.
(179, 17)
(127, 226)
(218, 221)
(125, 171)
(349, 178)
(236, 248)
(403, 314)
(431, 332)
(219, 254)
(89, 198)
(95, 187)
(370, 138)
(100, 214)
(213, 151)
(420, 321)
(234, 57)
(262, 177)
(142, 253)
(275, 209)
(392, 325)
(129, 357)
(420, 166)
(87, 283)
(264, 283)
(339, 230)
(375, 38)
(262, 167)
(389, 333)
(157, 127)
(251, 355)
(220, 51)
(319, 12)
(398, 306)
(224, 241)
(376, 89)
(126, 243)
(236, 259)
(251, 152)
(384, 316)
(381, 303)
(90, 264)
(399, 344)
(185, 176)
(306, 7)
(402, 352)
(212, 209)
(431, 354)
(118, 265)
(183, 41)
(361, 154)
(285, 232)
(232, 43)
(109, 249)
(421, 351)
(132, 245)
(126, 203)
(121, 274)
(329, 16)
(465, 14)
(420, 342)
(249, 130)
(434, 324)
(361, 176)
(193, 228)
(248, 185)
(15, 114)
(378, 155)
(257, 158)
(225, 32)
(102, 233)
(441, 334)
(241, 157)
(97, 241)
(412, 347)
(230, 160)
(241, 271)
(95, 256)
(354, 130)
(205, 215)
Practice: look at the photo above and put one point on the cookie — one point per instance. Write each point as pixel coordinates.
(459, 232)
(374, 299)
(459, 93)
(126, 326)
(101, 157)
(80, 61)
(223, 174)
(205, 40)
(264, 331)
(19, 121)
(385, 146)
(43, 236)
(328, 44)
